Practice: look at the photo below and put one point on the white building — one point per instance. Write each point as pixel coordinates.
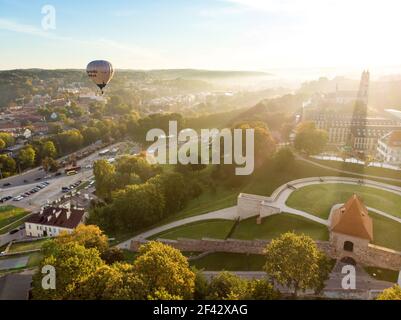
(51, 221)
(389, 148)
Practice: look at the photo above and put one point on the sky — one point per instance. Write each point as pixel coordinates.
(205, 34)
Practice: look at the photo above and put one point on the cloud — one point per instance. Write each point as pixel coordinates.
(106, 46)
(13, 26)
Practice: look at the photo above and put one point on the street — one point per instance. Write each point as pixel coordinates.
(53, 191)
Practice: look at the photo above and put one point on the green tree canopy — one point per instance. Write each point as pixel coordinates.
(295, 261)
(49, 150)
(26, 157)
(7, 138)
(309, 139)
(226, 286)
(163, 268)
(393, 293)
(73, 264)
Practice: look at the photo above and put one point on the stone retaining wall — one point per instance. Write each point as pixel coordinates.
(372, 256)
(217, 245)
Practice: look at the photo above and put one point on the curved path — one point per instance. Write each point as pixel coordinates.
(278, 199)
(225, 214)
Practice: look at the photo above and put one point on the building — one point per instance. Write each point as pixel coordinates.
(344, 116)
(51, 221)
(389, 148)
(351, 228)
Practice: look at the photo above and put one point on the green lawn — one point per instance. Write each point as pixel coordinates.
(357, 168)
(382, 274)
(273, 226)
(9, 214)
(386, 232)
(24, 246)
(34, 259)
(318, 199)
(263, 182)
(218, 229)
(230, 262)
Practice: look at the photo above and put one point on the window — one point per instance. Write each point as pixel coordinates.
(348, 246)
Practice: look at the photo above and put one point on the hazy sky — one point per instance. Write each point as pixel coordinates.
(210, 34)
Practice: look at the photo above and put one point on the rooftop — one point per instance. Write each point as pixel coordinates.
(353, 219)
(58, 217)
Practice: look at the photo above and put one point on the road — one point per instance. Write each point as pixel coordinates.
(53, 190)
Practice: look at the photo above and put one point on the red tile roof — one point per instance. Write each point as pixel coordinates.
(353, 219)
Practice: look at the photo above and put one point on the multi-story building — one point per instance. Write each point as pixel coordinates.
(51, 221)
(352, 126)
(389, 148)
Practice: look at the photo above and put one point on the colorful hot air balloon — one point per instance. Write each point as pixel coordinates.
(101, 72)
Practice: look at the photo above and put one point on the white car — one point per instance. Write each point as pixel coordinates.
(19, 198)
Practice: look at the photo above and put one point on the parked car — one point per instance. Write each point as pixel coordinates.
(7, 184)
(38, 178)
(13, 231)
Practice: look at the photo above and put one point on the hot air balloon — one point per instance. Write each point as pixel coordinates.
(101, 72)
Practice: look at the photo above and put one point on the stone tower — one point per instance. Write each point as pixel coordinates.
(351, 229)
(363, 92)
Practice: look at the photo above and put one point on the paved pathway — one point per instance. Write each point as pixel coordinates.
(278, 199)
(227, 213)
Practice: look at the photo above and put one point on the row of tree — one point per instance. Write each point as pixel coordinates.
(137, 194)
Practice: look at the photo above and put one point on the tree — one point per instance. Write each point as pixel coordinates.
(112, 255)
(7, 165)
(264, 144)
(69, 140)
(309, 139)
(89, 236)
(104, 173)
(137, 206)
(284, 158)
(172, 185)
(50, 165)
(128, 165)
(226, 286)
(393, 293)
(116, 282)
(49, 150)
(91, 134)
(2, 144)
(7, 138)
(26, 157)
(73, 264)
(295, 261)
(164, 268)
(201, 285)
(261, 290)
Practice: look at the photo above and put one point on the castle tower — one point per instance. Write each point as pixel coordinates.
(351, 228)
(363, 92)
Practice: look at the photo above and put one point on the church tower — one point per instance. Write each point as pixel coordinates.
(363, 92)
